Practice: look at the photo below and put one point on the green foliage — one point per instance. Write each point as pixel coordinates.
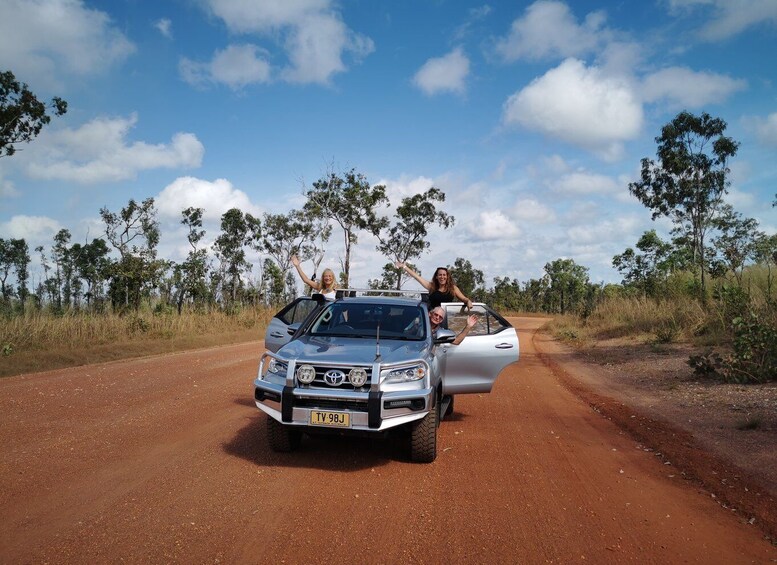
(351, 202)
(689, 179)
(22, 115)
(754, 353)
(406, 239)
(469, 279)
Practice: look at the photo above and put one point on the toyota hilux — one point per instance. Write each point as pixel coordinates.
(369, 362)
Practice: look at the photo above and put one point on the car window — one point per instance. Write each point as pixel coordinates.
(489, 323)
(297, 311)
(363, 320)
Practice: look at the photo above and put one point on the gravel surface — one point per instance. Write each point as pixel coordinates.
(165, 460)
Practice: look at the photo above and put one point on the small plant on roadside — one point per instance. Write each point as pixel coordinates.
(667, 332)
(708, 365)
(7, 349)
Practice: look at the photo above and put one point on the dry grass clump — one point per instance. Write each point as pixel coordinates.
(665, 320)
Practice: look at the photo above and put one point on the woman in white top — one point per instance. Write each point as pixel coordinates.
(326, 286)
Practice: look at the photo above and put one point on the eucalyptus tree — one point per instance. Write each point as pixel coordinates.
(469, 279)
(689, 179)
(22, 115)
(134, 233)
(92, 263)
(283, 236)
(568, 285)
(646, 270)
(191, 276)
(230, 249)
(351, 202)
(735, 242)
(406, 237)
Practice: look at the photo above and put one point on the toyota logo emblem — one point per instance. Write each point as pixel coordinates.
(334, 377)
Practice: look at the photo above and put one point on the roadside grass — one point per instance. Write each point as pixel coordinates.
(41, 341)
(647, 320)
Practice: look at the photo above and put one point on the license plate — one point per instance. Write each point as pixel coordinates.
(335, 419)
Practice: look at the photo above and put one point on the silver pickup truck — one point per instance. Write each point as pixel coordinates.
(369, 363)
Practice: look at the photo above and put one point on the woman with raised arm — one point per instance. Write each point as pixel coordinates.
(441, 288)
(327, 286)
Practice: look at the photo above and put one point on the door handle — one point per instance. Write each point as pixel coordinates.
(504, 346)
(276, 334)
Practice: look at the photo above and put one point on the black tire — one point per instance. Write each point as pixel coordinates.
(423, 437)
(282, 438)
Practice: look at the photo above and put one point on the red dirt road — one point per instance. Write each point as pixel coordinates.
(165, 460)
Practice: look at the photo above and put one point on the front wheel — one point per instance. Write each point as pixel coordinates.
(282, 438)
(423, 437)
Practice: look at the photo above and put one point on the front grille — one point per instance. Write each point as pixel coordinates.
(325, 404)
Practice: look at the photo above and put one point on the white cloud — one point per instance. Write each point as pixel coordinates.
(730, 17)
(531, 211)
(404, 186)
(582, 183)
(34, 229)
(580, 105)
(765, 129)
(48, 41)
(685, 88)
(214, 198)
(312, 34)
(98, 151)
(493, 225)
(236, 66)
(548, 29)
(620, 230)
(165, 27)
(443, 74)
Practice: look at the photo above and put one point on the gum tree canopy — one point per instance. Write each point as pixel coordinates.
(690, 178)
(22, 115)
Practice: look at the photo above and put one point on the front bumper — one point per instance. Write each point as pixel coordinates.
(373, 410)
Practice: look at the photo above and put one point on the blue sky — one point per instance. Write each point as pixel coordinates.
(532, 117)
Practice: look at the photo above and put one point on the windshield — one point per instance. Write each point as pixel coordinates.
(345, 319)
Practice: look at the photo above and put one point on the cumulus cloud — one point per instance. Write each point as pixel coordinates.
(685, 88)
(165, 27)
(443, 74)
(236, 66)
(729, 17)
(533, 211)
(492, 225)
(765, 129)
(214, 198)
(48, 41)
(404, 186)
(311, 33)
(99, 151)
(33, 229)
(622, 229)
(580, 105)
(584, 183)
(549, 29)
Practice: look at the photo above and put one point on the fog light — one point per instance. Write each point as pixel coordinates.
(306, 374)
(357, 377)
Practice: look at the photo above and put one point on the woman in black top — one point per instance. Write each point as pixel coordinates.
(441, 288)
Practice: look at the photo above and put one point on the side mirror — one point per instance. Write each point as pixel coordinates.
(293, 328)
(444, 336)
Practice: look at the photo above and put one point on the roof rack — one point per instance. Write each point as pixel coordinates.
(423, 295)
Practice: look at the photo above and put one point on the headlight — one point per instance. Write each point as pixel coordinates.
(405, 374)
(277, 367)
(357, 377)
(306, 374)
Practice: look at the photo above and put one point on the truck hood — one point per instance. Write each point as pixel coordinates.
(323, 350)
